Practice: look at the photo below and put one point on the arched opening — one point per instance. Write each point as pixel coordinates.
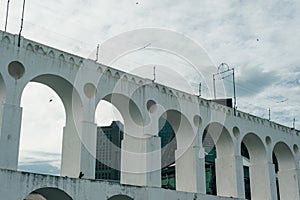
(110, 133)
(120, 197)
(48, 194)
(168, 148)
(180, 148)
(254, 155)
(43, 119)
(218, 146)
(287, 173)
(115, 116)
(52, 109)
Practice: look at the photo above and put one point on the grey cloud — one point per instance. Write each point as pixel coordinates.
(254, 81)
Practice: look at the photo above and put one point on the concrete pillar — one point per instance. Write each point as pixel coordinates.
(288, 184)
(262, 181)
(141, 161)
(229, 176)
(88, 149)
(10, 136)
(79, 150)
(190, 169)
(71, 151)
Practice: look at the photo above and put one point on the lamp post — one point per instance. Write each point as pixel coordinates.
(233, 81)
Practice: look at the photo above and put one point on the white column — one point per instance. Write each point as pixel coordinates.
(140, 161)
(79, 150)
(190, 169)
(71, 151)
(288, 184)
(262, 181)
(229, 176)
(88, 149)
(10, 136)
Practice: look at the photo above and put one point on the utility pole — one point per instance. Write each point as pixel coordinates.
(200, 89)
(21, 28)
(154, 75)
(7, 9)
(97, 52)
(294, 121)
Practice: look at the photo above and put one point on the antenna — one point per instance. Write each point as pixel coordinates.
(200, 89)
(269, 114)
(97, 52)
(294, 120)
(154, 78)
(22, 20)
(7, 9)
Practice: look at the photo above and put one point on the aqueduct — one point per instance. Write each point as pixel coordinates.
(82, 83)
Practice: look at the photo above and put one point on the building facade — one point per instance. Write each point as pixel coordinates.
(108, 151)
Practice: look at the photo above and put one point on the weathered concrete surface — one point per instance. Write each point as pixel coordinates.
(18, 185)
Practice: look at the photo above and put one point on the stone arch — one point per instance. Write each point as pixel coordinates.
(127, 107)
(72, 103)
(255, 147)
(67, 93)
(220, 137)
(184, 153)
(287, 172)
(219, 149)
(259, 167)
(168, 149)
(48, 193)
(120, 197)
(184, 131)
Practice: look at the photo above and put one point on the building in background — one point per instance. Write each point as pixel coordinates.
(108, 151)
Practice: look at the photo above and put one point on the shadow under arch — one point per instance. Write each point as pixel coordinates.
(2, 89)
(218, 146)
(2, 96)
(287, 173)
(182, 127)
(71, 142)
(168, 148)
(258, 166)
(48, 193)
(120, 197)
(183, 143)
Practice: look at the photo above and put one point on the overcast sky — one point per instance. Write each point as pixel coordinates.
(260, 39)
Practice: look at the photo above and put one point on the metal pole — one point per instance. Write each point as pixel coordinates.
(234, 95)
(22, 20)
(154, 76)
(214, 85)
(97, 53)
(200, 89)
(294, 120)
(7, 8)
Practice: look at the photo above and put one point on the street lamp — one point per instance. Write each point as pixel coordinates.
(233, 81)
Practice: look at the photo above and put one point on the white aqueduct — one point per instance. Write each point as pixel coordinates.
(82, 83)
